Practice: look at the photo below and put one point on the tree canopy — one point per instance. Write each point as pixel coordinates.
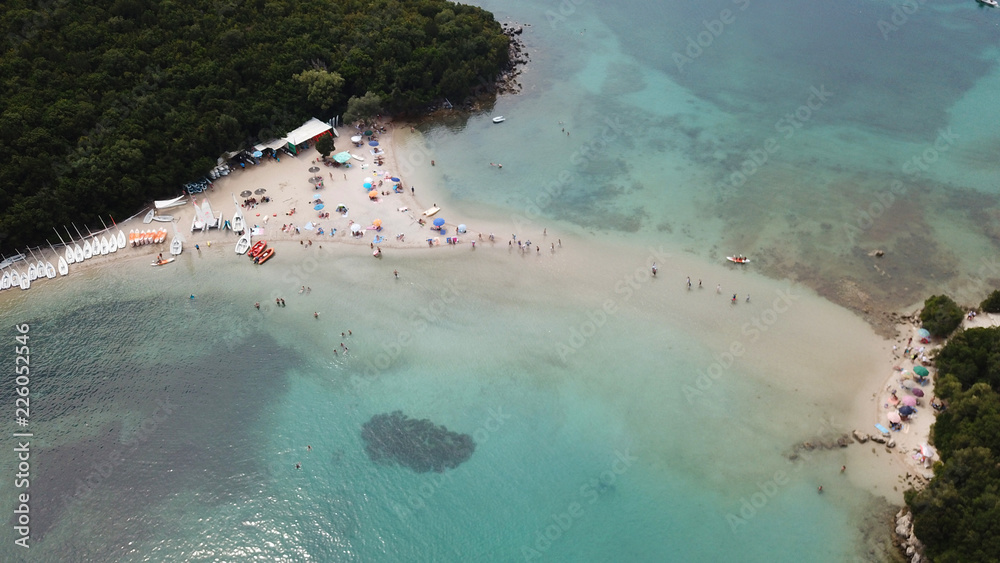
(957, 515)
(941, 315)
(111, 103)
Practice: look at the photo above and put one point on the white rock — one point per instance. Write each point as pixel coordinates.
(902, 531)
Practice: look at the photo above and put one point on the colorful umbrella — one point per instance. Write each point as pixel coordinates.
(907, 410)
(372, 143)
(368, 185)
(257, 154)
(394, 179)
(917, 392)
(368, 132)
(318, 207)
(893, 417)
(921, 371)
(910, 401)
(438, 222)
(377, 222)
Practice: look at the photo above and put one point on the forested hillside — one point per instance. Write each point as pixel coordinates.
(108, 104)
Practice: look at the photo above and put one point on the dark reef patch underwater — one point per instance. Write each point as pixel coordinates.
(418, 444)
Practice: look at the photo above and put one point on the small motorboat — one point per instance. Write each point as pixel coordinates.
(264, 256)
(992, 3)
(498, 119)
(738, 259)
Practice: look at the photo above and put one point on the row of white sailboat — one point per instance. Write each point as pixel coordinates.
(106, 242)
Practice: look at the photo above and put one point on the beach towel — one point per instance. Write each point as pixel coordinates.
(882, 429)
(893, 400)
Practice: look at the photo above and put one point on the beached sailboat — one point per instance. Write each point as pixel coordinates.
(168, 203)
(112, 243)
(176, 243)
(164, 218)
(243, 244)
(499, 119)
(5, 281)
(24, 282)
(238, 223)
(105, 246)
(61, 265)
(149, 217)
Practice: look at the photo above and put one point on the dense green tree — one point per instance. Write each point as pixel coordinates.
(365, 107)
(111, 103)
(941, 315)
(992, 303)
(957, 515)
(324, 145)
(322, 86)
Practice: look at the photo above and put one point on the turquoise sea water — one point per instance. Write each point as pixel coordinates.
(169, 428)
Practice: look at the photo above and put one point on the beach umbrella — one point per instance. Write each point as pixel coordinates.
(917, 392)
(356, 139)
(438, 222)
(318, 206)
(394, 179)
(906, 410)
(926, 451)
(342, 157)
(356, 228)
(910, 401)
(257, 154)
(921, 371)
(377, 222)
(368, 185)
(893, 417)
(245, 193)
(372, 143)
(259, 191)
(461, 228)
(316, 196)
(368, 132)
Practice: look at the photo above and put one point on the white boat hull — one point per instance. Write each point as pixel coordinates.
(121, 239)
(50, 270)
(70, 257)
(243, 245)
(78, 253)
(149, 217)
(63, 266)
(176, 246)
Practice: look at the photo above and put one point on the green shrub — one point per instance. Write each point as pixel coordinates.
(992, 303)
(941, 315)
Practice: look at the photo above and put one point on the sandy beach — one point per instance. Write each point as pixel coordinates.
(296, 184)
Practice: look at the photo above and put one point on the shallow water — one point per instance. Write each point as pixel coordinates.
(616, 416)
